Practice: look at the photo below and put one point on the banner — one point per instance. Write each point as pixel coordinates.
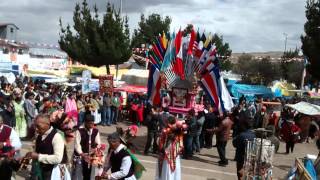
(106, 84)
(86, 78)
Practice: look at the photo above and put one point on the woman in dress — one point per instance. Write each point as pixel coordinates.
(71, 107)
(21, 124)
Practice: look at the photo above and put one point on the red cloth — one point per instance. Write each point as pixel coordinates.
(192, 40)
(140, 113)
(288, 131)
(178, 68)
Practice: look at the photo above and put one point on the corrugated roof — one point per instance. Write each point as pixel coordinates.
(47, 52)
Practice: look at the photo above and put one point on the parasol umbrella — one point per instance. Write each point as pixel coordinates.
(306, 108)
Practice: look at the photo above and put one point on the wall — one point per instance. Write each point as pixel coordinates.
(5, 32)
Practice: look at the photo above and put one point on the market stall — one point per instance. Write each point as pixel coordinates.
(259, 157)
(250, 91)
(303, 167)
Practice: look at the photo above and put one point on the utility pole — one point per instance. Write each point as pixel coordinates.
(120, 7)
(117, 65)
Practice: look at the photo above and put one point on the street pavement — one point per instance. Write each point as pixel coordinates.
(202, 166)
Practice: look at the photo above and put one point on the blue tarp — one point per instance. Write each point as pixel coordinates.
(231, 82)
(250, 91)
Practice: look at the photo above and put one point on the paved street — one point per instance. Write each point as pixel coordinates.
(204, 166)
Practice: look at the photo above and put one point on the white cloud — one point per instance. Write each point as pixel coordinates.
(248, 25)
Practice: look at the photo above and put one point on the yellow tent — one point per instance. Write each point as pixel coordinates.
(284, 87)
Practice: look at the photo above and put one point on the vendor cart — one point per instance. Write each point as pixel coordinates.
(259, 157)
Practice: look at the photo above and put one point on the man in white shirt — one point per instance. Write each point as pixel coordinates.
(10, 144)
(50, 146)
(87, 137)
(118, 160)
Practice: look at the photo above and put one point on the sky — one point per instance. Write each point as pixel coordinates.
(247, 25)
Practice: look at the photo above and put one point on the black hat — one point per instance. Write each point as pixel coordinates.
(89, 118)
(114, 136)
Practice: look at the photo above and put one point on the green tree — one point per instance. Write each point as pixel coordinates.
(96, 42)
(286, 60)
(223, 52)
(291, 69)
(149, 28)
(295, 69)
(243, 67)
(187, 30)
(267, 71)
(311, 39)
(255, 71)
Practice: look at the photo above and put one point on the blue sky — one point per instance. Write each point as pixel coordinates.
(248, 25)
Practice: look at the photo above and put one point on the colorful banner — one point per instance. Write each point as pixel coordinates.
(106, 84)
(86, 78)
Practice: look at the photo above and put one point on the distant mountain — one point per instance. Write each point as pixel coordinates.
(274, 55)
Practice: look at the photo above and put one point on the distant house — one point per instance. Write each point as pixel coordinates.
(8, 31)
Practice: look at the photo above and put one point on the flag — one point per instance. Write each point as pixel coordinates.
(210, 85)
(196, 49)
(155, 57)
(213, 84)
(156, 51)
(207, 42)
(154, 85)
(154, 62)
(170, 53)
(178, 42)
(159, 46)
(203, 37)
(164, 40)
(225, 96)
(207, 54)
(178, 67)
(192, 42)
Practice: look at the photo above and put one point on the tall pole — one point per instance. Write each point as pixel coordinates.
(303, 75)
(285, 41)
(117, 65)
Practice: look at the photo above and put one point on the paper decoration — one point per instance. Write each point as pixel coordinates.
(179, 96)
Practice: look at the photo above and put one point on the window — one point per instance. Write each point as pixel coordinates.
(11, 30)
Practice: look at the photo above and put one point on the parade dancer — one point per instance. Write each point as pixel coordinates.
(87, 138)
(50, 148)
(170, 148)
(10, 144)
(118, 160)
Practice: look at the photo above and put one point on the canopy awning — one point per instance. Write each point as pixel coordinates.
(131, 89)
(306, 108)
(250, 91)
